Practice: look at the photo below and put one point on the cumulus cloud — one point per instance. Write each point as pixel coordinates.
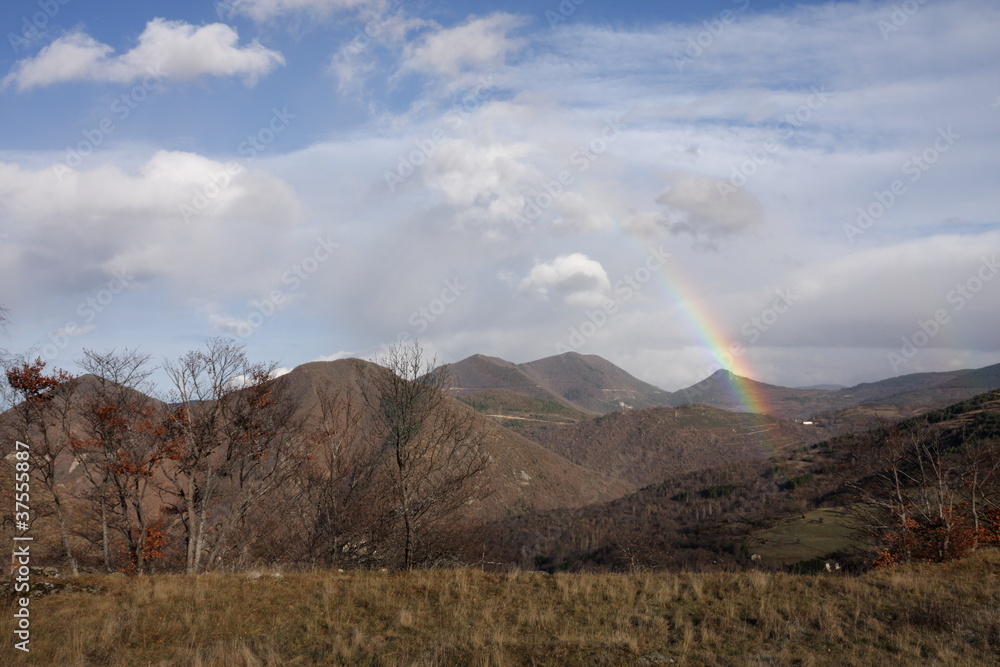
(646, 224)
(76, 225)
(705, 208)
(161, 186)
(218, 320)
(172, 49)
(710, 207)
(476, 45)
(485, 183)
(583, 280)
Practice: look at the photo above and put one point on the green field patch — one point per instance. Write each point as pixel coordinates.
(817, 534)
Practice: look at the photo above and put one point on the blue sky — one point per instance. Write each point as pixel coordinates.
(815, 182)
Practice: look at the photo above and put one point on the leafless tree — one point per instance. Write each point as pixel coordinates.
(3, 327)
(433, 447)
(981, 486)
(122, 448)
(916, 491)
(41, 417)
(234, 441)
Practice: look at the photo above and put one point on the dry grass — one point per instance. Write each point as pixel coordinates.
(915, 615)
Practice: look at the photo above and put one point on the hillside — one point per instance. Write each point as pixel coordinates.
(594, 383)
(581, 383)
(325, 477)
(568, 387)
(933, 391)
(518, 411)
(847, 408)
(522, 474)
(646, 446)
(722, 513)
(481, 373)
(728, 391)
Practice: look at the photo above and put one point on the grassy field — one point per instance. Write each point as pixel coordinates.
(912, 615)
(813, 535)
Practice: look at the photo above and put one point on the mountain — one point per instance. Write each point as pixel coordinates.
(720, 515)
(647, 446)
(936, 390)
(593, 383)
(729, 391)
(570, 387)
(580, 383)
(518, 411)
(490, 376)
(898, 397)
(523, 474)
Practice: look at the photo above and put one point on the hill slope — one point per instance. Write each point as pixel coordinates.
(723, 513)
(523, 474)
(580, 383)
(594, 383)
(851, 407)
(647, 446)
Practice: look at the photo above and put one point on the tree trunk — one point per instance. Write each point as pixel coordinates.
(105, 538)
(64, 534)
(192, 527)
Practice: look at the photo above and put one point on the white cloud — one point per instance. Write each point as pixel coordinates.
(583, 280)
(336, 356)
(646, 224)
(76, 226)
(168, 180)
(353, 62)
(451, 216)
(705, 208)
(171, 49)
(578, 215)
(476, 45)
(876, 297)
(219, 321)
(264, 10)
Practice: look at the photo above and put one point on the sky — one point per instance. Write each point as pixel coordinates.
(805, 193)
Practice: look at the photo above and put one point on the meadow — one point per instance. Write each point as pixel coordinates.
(913, 614)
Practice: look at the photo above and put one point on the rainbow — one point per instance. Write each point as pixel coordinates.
(728, 354)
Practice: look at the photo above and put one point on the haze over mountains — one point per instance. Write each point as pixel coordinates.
(588, 383)
(583, 454)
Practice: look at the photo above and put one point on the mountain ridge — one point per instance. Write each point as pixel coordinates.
(591, 384)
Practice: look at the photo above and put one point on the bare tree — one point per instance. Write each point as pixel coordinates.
(42, 407)
(982, 479)
(234, 440)
(343, 497)
(3, 327)
(433, 447)
(122, 449)
(910, 491)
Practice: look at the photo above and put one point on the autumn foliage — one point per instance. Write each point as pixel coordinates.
(925, 495)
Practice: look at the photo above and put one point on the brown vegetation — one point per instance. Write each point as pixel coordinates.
(917, 614)
(647, 446)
